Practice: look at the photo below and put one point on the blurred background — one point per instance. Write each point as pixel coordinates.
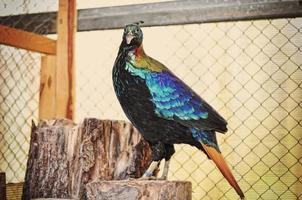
(250, 71)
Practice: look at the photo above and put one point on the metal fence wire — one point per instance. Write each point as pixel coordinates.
(19, 90)
(250, 71)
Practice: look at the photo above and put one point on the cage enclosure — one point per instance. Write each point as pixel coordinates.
(243, 57)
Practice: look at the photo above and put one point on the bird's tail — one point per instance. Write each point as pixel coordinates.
(223, 167)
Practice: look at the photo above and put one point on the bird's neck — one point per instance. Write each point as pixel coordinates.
(139, 51)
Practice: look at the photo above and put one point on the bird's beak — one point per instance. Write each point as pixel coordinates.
(129, 38)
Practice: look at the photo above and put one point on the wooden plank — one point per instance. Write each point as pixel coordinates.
(2, 186)
(26, 40)
(47, 106)
(65, 73)
(162, 14)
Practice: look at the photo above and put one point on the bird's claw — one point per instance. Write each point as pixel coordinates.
(148, 178)
(162, 178)
(131, 179)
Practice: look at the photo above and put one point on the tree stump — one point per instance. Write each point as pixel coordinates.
(64, 157)
(51, 199)
(139, 190)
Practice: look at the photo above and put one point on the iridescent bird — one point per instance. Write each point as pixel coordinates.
(163, 108)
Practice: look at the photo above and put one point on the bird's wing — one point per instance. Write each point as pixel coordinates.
(174, 100)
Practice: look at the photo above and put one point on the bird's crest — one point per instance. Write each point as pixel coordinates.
(139, 22)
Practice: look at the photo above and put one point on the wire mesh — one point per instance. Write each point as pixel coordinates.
(249, 71)
(19, 91)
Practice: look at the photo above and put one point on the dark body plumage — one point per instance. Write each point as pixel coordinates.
(134, 97)
(162, 107)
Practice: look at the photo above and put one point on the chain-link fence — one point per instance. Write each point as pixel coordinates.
(250, 71)
(19, 91)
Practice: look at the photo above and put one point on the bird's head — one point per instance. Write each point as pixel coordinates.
(133, 35)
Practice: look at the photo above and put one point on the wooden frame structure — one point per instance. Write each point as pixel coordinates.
(162, 14)
(57, 66)
(27, 40)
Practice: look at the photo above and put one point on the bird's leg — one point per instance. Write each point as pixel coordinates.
(165, 171)
(158, 153)
(156, 170)
(169, 151)
(149, 172)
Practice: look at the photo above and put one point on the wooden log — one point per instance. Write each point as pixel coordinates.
(2, 186)
(139, 190)
(64, 157)
(47, 166)
(51, 199)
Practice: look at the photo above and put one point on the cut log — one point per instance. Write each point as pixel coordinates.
(51, 199)
(139, 190)
(2, 186)
(64, 157)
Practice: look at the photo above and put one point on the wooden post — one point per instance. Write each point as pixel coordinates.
(47, 87)
(2, 186)
(65, 72)
(57, 87)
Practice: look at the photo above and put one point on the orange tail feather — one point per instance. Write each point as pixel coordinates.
(223, 167)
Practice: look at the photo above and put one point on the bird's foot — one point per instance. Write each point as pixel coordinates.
(145, 178)
(162, 178)
(149, 174)
(131, 179)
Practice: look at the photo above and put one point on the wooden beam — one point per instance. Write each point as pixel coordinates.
(162, 14)
(26, 40)
(2, 186)
(47, 107)
(65, 72)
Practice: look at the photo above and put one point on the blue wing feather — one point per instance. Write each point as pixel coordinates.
(173, 99)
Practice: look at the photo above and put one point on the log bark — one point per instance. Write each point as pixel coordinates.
(64, 157)
(139, 190)
(51, 199)
(2, 186)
